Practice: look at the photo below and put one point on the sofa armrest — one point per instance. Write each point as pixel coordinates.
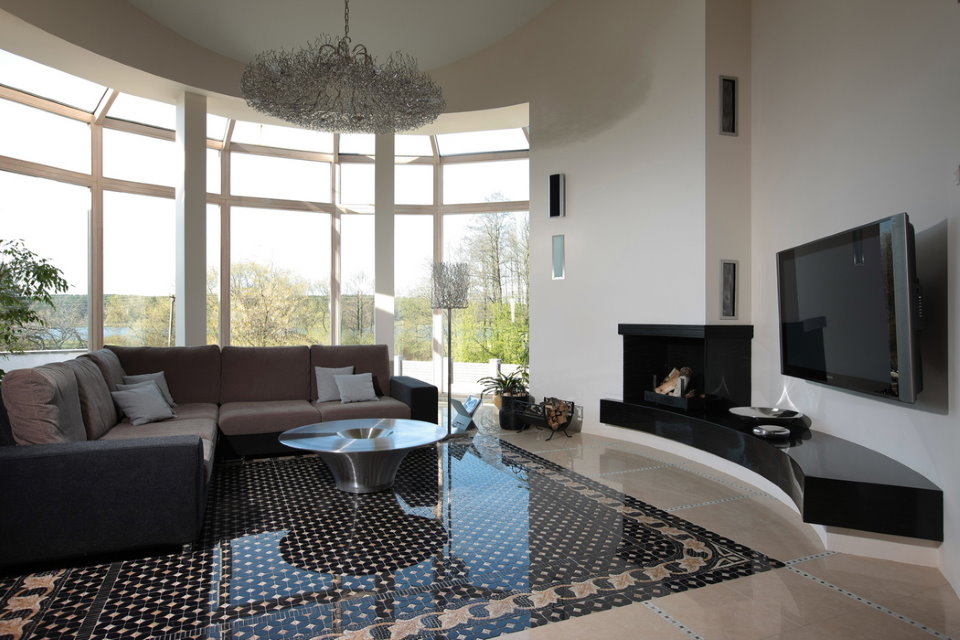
(420, 396)
(94, 497)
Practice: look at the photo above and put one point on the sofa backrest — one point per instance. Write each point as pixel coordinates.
(365, 358)
(192, 373)
(43, 404)
(251, 374)
(96, 404)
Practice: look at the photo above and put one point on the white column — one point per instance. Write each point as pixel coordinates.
(383, 242)
(191, 303)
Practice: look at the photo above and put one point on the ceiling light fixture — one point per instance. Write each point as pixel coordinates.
(333, 85)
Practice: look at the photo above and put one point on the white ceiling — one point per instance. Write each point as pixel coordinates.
(435, 32)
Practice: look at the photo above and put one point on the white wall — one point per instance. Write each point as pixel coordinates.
(616, 96)
(855, 109)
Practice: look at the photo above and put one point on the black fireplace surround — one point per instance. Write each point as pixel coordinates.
(834, 482)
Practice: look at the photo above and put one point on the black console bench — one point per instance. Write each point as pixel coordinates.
(833, 481)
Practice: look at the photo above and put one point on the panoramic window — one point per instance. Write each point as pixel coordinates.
(413, 323)
(282, 178)
(143, 110)
(500, 181)
(450, 144)
(128, 156)
(55, 230)
(358, 143)
(269, 135)
(496, 324)
(279, 277)
(213, 274)
(357, 183)
(413, 184)
(356, 279)
(46, 82)
(139, 270)
(39, 136)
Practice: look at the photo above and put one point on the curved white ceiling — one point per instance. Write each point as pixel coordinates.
(435, 32)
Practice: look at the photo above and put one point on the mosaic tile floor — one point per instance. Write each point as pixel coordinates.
(479, 538)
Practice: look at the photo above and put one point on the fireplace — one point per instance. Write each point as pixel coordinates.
(718, 356)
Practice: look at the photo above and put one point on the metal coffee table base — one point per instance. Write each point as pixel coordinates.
(363, 455)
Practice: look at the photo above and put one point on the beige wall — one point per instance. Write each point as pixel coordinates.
(855, 118)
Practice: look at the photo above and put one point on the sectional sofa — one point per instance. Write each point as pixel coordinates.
(80, 479)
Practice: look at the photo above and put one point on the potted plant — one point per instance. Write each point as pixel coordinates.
(506, 388)
(26, 281)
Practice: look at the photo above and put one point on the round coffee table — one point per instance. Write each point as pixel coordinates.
(364, 454)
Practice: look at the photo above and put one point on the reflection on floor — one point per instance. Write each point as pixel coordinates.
(481, 539)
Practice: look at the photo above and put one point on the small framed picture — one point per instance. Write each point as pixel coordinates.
(728, 289)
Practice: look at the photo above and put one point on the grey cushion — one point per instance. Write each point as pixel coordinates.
(157, 377)
(356, 388)
(44, 404)
(326, 386)
(192, 373)
(96, 404)
(143, 403)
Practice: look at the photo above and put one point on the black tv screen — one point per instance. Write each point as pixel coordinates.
(849, 310)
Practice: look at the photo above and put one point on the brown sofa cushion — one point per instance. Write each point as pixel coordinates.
(96, 403)
(250, 374)
(44, 405)
(246, 418)
(365, 358)
(192, 373)
(109, 365)
(382, 408)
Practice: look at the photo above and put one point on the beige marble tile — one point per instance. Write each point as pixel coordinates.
(864, 624)
(596, 461)
(633, 621)
(882, 581)
(937, 607)
(667, 487)
(720, 613)
(761, 523)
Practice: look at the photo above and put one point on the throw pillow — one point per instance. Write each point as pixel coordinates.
(143, 403)
(356, 388)
(157, 377)
(326, 386)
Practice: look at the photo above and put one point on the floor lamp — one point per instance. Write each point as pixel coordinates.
(451, 281)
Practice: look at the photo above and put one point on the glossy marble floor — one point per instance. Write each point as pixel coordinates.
(817, 595)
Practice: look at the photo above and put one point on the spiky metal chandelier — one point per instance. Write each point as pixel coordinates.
(333, 85)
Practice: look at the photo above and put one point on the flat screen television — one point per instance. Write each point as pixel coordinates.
(850, 310)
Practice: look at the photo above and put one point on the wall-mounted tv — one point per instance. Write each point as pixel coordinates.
(850, 310)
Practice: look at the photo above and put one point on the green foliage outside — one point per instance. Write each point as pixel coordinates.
(27, 282)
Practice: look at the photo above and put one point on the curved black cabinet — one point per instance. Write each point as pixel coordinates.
(833, 481)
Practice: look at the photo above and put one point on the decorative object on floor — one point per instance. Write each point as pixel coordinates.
(285, 554)
(553, 413)
(766, 413)
(334, 85)
(677, 383)
(463, 421)
(451, 284)
(771, 431)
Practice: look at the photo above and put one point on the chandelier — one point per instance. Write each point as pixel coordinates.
(333, 85)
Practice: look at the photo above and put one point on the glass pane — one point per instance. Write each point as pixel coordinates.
(47, 82)
(360, 143)
(213, 171)
(269, 135)
(407, 145)
(128, 156)
(496, 323)
(139, 273)
(481, 141)
(413, 324)
(38, 136)
(213, 274)
(413, 184)
(144, 111)
(32, 208)
(279, 277)
(486, 181)
(269, 177)
(356, 272)
(357, 183)
(216, 126)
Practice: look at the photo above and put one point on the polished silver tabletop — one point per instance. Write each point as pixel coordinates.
(363, 435)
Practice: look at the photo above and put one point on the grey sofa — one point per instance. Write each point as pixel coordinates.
(83, 480)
